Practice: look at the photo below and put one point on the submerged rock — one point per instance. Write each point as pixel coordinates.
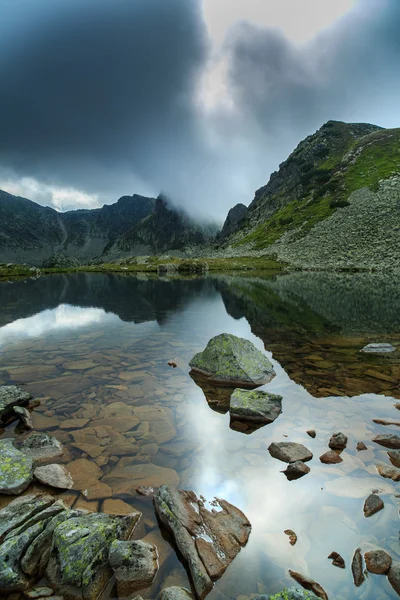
(377, 561)
(388, 440)
(175, 593)
(230, 360)
(289, 452)
(296, 470)
(309, 584)
(16, 469)
(10, 397)
(207, 540)
(257, 406)
(338, 441)
(378, 348)
(55, 476)
(42, 448)
(357, 568)
(372, 505)
(330, 458)
(134, 564)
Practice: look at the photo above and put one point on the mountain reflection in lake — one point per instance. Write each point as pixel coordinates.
(83, 341)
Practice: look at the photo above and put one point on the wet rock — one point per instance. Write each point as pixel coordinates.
(394, 577)
(361, 446)
(55, 476)
(337, 560)
(125, 479)
(39, 592)
(74, 423)
(172, 363)
(311, 432)
(296, 470)
(175, 593)
(16, 469)
(289, 594)
(12, 578)
(357, 568)
(84, 473)
(42, 448)
(388, 440)
(338, 441)
(119, 507)
(330, 458)
(24, 416)
(98, 491)
(257, 406)
(388, 472)
(10, 397)
(231, 360)
(394, 456)
(134, 564)
(382, 348)
(78, 566)
(22, 509)
(207, 540)
(289, 452)
(372, 505)
(145, 490)
(292, 536)
(377, 561)
(309, 584)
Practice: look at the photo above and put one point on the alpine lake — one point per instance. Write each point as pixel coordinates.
(83, 342)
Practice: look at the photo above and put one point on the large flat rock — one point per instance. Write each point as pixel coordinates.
(289, 452)
(255, 406)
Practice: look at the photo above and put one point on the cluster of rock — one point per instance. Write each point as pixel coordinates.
(379, 562)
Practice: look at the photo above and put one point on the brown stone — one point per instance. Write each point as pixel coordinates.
(372, 505)
(125, 479)
(309, 584)
(118, 507)
(389, 472)
(84, 473)
(378, 561)
(42, 423)
(357, 568)
(338, 560)
(98, 491)
(361, 446)
(330, 458)
(74, 423)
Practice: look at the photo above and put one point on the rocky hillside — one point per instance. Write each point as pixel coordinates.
(334, 203)
(33, 234)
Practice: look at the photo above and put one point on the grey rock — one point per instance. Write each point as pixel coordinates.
(378, 348)
(166, 269)
(377, 561)
(24, 415)
(394, 456)
(291, 593)
(12, 578)
(42, 448)
(208, 541)
(16, 470)
(357, 568)
(175, 593)
(338, 441)
(296, 470)
(372, 505)
(134, 564)
(290, 452)
(388, 440)
(21, 510)
(228, 359)
(55, 476)
(10, 397)
(394, 577)
(39, 592)
(256, 406)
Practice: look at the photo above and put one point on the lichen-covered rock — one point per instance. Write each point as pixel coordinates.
(289, 452)
(16, 470)
(134, 564)
(20, 510)
(175, 593)
(207, 540)
(230, 360)
(78, 566)
(289, 594)
(12, 578)
(257, 406)
(42, 448)
(55, 476)
(11, 396)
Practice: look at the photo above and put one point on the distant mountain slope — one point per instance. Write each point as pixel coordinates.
(30, 233)
(335, 202)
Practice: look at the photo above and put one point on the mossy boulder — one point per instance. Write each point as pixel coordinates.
(254, 405)
(16, 469)
(231, 360)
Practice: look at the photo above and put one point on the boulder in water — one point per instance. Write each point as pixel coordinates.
(256, 406)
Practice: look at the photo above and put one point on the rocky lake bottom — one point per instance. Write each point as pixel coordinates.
(94, 349)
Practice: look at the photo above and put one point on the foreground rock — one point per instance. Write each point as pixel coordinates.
(309, 584)
(394, 577)
(389, 472)
(296, 470)
(42, 448)
(357, 568)
(289, 452)
(338, 441)
(388, 440)
(289, 594)
(378, 348)
(16, 469)
(372, 505)
(230, 360)
(134, 564)
(175, 593)
(330, 458)
(24, 416)
(394, 456)
(378, 561)
(55, 476)
(39, 535)
(207, 540)
(255, 406)
(10, 397)
(337, 560)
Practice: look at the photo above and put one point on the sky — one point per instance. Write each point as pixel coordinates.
(198, 99)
